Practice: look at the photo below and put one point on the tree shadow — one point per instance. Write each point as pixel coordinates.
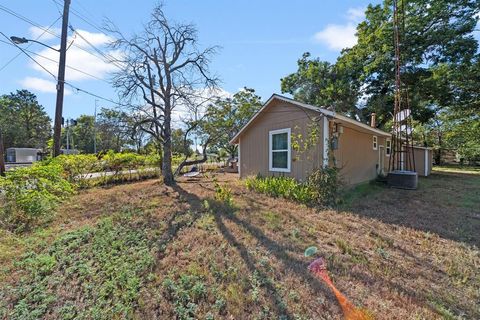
(180, 219)
(443, 204)
(222, 213)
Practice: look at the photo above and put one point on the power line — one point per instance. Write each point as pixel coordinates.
(53, 60)
(27, 20)
(58, 8)
(95, 95)
(3, 34)
(107, 57)
(33, 23)
(84, 9)
(18, 54)
(83, 18)
(65, 82)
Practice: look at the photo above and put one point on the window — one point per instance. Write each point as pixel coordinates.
(375, 143)
(279, 150)
(388, 148)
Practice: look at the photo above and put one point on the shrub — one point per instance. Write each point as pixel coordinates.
(152, 160)
(284, 187)
(223, 194)
(325, 185)
(76, 167)
(320, 189)
(30, 195)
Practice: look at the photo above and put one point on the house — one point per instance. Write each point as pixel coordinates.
(268, 144)
(23, 155)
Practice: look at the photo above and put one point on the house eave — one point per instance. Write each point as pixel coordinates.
(325, 112)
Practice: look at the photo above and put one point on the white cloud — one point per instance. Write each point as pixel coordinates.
(340, 36)
(80, 59)
(337, 37)
(41, 35)
(41, 85)
(356, 14)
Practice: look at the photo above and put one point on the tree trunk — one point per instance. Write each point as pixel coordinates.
(167, 173)
(2, 156)
(440, 148)
(185, 162)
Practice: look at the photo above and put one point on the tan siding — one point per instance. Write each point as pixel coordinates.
(254, 142)
(420, 161)
(356, 158)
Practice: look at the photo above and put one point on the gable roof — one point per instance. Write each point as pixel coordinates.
(320, 110)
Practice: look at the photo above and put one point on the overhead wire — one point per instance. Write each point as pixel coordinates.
(26, 53)
(33, 23)
(78, 89)
(82, 17)
(53, 60)
(107, 57)
(18, 54)
(58, 8)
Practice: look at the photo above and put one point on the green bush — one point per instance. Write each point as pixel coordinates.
(223, 194)
(284, 187)
(325, 184)
(76, 167)
(320, 189)
(30, 195)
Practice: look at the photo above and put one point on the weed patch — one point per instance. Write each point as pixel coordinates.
(98, 269)
(29, 196)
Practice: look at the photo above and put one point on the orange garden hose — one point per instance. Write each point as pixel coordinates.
(319, 268)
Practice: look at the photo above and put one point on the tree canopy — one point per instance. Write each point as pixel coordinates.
(437, 53)
(227, 116)
(23, 121)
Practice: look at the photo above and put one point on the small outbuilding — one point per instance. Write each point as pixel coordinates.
(23, 155)
(269, 144)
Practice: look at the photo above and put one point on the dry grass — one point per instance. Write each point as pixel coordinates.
(396, 254)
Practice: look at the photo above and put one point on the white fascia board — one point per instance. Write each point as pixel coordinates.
(323, 111)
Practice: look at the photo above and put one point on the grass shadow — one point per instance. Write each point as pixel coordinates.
(444, 204)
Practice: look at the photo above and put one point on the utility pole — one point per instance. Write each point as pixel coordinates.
(2, 155)
(95, 128)
(57, 131)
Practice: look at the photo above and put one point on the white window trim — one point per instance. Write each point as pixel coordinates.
(388, 147)
(326, 141)
(375, 143)
(270, 151)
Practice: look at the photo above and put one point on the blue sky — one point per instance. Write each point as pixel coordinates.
(261, 42)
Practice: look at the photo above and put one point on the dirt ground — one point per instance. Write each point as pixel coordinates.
(395, 254)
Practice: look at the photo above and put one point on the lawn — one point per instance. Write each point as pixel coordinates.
(147, 251)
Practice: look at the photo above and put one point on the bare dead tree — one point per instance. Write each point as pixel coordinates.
(162, 68)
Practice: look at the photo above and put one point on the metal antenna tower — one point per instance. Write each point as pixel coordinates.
(402, 162)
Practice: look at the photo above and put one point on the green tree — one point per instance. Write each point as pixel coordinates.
(180, 144)
(83, 133)
(23, 121)
(114, 130)
(321, 83)
(226, 117)
(437, 50)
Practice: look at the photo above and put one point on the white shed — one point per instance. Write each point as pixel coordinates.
(23, 155)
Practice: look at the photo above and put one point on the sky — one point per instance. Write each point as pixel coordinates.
(260, 42)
